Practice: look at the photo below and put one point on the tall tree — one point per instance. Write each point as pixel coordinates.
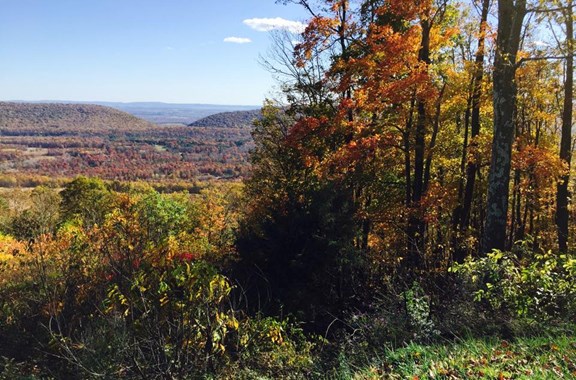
(417, 226)
(430, 13)
(302, 241)
(562, 194)
(511, 15)
(472, 166)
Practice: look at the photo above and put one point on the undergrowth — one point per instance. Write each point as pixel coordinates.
(525, 358)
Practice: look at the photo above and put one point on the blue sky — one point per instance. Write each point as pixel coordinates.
(139, 50)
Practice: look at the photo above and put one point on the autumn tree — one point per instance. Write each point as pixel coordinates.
(297, 236)
(563, 195)
(477, 78)
(382, 129)
(40, 218)
(536, 167)
(85, 200)
(511, 15)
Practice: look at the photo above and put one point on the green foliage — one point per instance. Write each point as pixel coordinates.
(135, 295)
(418, 311)
(25, 226)
(529, 358)
(138, 294)
(161, 217)
(176, 318)
(298, 240)
(39, 218)
(527, 286)
(273, 349)
(85, 201)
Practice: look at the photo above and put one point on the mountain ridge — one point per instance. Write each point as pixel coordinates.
(160, 112)
(233, 119)
(150, 103)
(64, 117)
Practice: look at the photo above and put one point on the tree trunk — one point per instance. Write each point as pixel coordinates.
(472, 167)
(416, 225)
(562, 195)
(510, 17)
(432, 145)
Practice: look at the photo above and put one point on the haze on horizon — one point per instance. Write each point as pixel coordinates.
(171, 51)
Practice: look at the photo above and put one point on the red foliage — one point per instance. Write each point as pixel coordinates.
(185, 257)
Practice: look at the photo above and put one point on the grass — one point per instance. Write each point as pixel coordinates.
(525, 358)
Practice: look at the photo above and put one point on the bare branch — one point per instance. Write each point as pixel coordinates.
(543, 58)
(550, 10)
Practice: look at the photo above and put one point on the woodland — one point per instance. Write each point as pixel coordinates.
(43, 144)
(407, 214)
(233, 119)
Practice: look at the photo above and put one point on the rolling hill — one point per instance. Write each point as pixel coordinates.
(158, 112)
(58, 119)
(52, 140)
(234, 119)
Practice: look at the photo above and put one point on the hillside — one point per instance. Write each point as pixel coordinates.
(158, 112)
(66, 140)
(58, 119)
(171, 113)
(235, 119)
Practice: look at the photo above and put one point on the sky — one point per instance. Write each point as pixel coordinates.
(173, 51)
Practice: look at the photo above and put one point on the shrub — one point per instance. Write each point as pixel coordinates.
(523, 286)
(134, 296)
(274, 349)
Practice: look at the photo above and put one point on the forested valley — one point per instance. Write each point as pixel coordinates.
(43, 144)
(406, 214)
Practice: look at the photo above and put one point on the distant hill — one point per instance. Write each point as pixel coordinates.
(44, 141)
(56, 119)
(235, 119)
(162, 113)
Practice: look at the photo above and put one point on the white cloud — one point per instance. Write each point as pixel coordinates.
(278, 23)
(237, 40)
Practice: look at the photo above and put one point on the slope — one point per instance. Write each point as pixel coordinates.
(234, 119)
(59, 119)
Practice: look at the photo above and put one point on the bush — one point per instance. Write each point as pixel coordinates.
(165, 321)
(136, 296)
(274, 349)
(176, 321)
(532, 289)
